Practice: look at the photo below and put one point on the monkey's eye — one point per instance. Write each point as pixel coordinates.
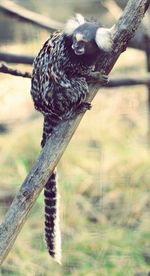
(81, 41)
(79, 37)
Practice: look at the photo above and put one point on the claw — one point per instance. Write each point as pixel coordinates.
(95, 77)
(83, 107)
(104, 79)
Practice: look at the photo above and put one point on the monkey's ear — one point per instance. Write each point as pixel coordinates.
(74, 23)
(103, 39)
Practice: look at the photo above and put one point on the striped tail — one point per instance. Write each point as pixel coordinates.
(51, 199)
(52, 230)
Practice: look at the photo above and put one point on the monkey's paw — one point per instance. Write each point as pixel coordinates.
(103, 79)
(97, 77)
(83, 107)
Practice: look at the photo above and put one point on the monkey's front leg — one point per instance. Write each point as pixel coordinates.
(93, 77)
(97, 77)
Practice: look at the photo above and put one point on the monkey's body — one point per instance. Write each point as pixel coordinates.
(59, 77)
(59, 90)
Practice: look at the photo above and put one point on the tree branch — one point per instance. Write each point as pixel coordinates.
(115, 82)
(13, 58)
(142, 34)
(113, 8)
(129, 81)
(17, 11)
(7, 70)
(57, 143)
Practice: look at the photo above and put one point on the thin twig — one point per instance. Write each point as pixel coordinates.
(7, 70)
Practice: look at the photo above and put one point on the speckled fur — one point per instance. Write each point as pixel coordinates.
(59, 89)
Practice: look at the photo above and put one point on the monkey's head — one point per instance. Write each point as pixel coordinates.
(88, 36)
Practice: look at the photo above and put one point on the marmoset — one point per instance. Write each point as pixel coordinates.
(59, 90)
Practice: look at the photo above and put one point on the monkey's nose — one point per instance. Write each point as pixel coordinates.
(78, 50)
(73, 47)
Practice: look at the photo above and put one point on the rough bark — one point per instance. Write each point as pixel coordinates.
(142, 34)
(54, 148)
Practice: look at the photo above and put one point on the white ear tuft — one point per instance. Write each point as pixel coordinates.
(103, 39)
(74, 23)
(80, 18)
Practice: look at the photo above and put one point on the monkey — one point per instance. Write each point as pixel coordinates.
(62, 71)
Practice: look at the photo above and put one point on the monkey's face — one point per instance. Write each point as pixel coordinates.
(83, 40)
(79, 44)
(88, 37)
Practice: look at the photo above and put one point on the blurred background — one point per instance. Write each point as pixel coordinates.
(104, 174)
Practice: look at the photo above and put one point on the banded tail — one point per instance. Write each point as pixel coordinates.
(52, 230)
(51, 199)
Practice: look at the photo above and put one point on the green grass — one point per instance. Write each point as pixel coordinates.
(104, 181)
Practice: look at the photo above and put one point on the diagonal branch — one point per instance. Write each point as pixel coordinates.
(56, 145)
(19, 12)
